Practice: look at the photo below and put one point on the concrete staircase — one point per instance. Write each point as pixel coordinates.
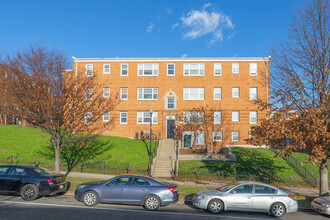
(166, 159)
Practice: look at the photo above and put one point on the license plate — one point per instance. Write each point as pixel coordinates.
(61, 186)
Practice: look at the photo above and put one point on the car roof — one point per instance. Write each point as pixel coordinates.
(252, 182)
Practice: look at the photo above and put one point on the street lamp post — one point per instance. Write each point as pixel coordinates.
(150, 154)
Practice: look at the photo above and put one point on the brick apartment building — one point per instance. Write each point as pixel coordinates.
(172, 86)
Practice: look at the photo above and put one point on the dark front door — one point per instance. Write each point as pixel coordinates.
(170, 129)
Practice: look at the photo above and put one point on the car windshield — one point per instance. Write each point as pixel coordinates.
(42, 170)
(227, 187)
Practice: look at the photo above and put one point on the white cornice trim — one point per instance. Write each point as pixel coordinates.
(171, 59)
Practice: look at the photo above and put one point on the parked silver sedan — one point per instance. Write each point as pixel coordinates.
(321, 205)
(247, 196)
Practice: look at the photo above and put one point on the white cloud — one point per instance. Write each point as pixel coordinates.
(150, 27)
(204, 22)
(175, 25)
(184, 55)
(169, 11)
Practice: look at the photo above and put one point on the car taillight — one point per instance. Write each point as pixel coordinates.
(172, 189)
(50, 180)
(292, 197)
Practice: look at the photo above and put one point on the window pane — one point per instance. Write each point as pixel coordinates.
(217, 117)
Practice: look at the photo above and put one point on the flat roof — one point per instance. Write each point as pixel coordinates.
(186, 59)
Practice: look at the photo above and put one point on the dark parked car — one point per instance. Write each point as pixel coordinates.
(151, 193)
(30, 181)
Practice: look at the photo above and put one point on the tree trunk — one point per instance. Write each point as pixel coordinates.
(324, 188)
(57, 160)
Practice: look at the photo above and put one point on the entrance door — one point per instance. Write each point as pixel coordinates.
(170, 129)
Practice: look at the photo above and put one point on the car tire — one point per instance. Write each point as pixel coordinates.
(215, 206)
(29, 192)
(90, 198)
(277, 209)
(151, 203)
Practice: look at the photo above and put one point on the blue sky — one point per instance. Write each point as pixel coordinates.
(155, 28)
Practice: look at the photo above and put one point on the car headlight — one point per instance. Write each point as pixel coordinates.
(203, 196)
(325, 205)
(80, 186)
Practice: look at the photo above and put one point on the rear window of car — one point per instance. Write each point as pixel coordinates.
(260, 189)
(43, 171)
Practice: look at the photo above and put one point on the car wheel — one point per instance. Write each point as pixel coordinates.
(215, 206)
(277, 209)
(151, 203)
(90, 198)
(29, 192)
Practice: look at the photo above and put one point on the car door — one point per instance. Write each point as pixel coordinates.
(114, 191)
(239, 198)
(3, 175)
(14, 178)
(263, 197)
(137, 190)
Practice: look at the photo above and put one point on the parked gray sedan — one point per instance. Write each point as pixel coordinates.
(247, 196)
(322, 205)
(151, 193)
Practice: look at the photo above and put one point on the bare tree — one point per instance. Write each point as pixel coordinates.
(59, 101)
(300, 88)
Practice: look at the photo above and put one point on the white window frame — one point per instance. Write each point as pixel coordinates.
(154, 69)
(218, 66)
(235, 134)
(235, 116)
(153, 93)
(187, 116)
(121, 93)
(217, 114)
(217, 90)
(141, 116)
(171, 103)
(253, 69)
(200, 138)
(253, 117)
(234, 92)
(88, 70)
(173, 69)
(88, 94)
(187, 69)
(217, 133)
(106, 72)
(121, 117)
(106, 116)
(235, 68)
(105, 92)
(88, 117)
(121, 69)
(253, 96)
(187, 93)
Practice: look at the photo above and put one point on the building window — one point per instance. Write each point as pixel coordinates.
(193, 69)
(235, 92)
(253, 69)
(253, 117)
(217, 69)
(106, 116)
(217, 117)
(88, 117)
(217, 136)
(171, 69)
(193, 117)
(106, 68)
(200, 138)
(235, 67)
(148, 69)
(147, 93)
(253, 93)
(123, 93)
(123, 117)
(144, 117)
(170, 103)
(193, 93)
(89, 69)
(106, 92)
(235, 115)
(217, 93)
(124, 70)
(235, 136)
(89, 94)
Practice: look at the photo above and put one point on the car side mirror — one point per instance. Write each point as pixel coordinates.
(233, 192)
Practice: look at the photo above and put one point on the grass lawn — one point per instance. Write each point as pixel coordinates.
(250, 162)
(26, 142)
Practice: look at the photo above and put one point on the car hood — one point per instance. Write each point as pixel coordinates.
(324, 199)
(209, 191)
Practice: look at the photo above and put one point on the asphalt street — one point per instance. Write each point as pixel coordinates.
(66, 207)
